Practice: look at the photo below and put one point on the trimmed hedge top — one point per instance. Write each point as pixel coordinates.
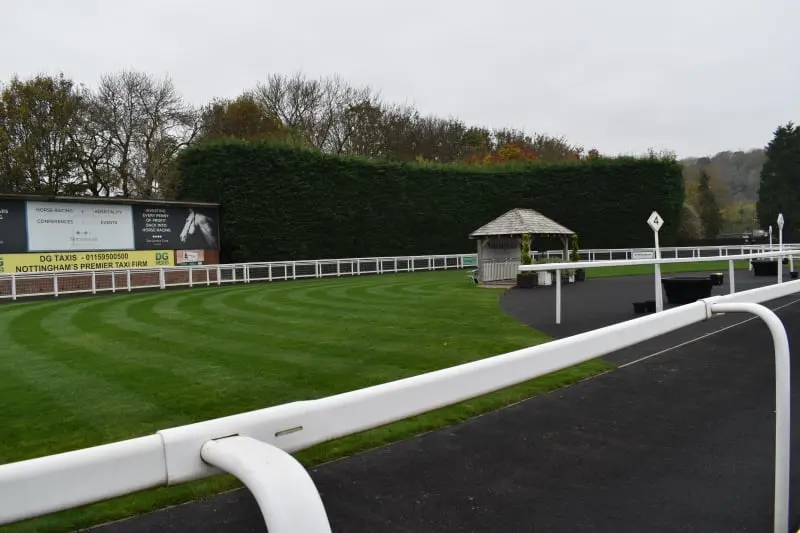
(281, 203)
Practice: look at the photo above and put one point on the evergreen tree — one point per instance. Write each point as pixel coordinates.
(710, 213)
(779, 191)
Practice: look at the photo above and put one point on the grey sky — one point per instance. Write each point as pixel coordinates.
(693, 76)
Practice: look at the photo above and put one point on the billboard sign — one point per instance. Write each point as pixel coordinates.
(65, 261)
(62, 226)
(189, 257)
(164, 227)
(13, 238)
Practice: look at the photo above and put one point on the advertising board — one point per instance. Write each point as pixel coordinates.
(189, 257)
(66, 261)
(42, 236)
(164, 227)
(13, 238)
(62, 226)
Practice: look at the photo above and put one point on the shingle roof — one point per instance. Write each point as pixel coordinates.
(519, 221)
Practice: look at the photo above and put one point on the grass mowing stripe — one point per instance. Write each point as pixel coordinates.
(49, 365)
(268, 358)
(270, 343)
(21, 429)
(340, 297)
(157, 372)
(394, 327)
(248, 342)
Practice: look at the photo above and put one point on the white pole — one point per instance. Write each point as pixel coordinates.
(780, 247)
(659, 298)
(732, 280)
(558, 297)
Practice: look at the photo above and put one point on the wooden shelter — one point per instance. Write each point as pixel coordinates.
(500, 241)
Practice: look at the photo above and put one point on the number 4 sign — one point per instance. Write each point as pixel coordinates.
(655, 221)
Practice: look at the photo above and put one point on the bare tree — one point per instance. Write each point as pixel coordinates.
(146, 123)
(319, 110)
(94, 147)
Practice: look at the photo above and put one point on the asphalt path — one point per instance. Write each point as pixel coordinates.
(679, 438)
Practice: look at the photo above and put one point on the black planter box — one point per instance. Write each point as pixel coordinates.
(647, 306)
(685, 290)
(793, 274)
(527, 281)
(580, 275)
(763, 267)
(717, 278)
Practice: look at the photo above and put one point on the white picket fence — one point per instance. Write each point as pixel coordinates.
(609, 254)
(21, 285)
(504, 270)
(57, 283)
(557, 268)
(256, 446)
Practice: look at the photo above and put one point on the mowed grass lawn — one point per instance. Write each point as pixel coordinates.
(669, 268)
(86, 371)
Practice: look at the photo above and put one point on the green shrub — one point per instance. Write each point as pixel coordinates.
(280, 202)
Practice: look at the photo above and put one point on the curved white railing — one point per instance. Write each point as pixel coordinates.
(558, 268)
(57, 283)
(172, 456)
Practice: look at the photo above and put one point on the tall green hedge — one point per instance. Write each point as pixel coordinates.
(280, 203)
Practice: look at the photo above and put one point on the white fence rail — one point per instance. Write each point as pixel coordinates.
(21, 285)
(609, 254)
(557, 268)
(242, 443)
(56, 283)
(504, 270)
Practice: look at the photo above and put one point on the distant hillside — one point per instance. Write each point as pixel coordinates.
(736, 174)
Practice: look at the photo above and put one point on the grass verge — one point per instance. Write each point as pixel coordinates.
(88, 371)
(670, 268)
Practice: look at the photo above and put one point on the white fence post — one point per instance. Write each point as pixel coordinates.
(55, 285)
(558, 296)
(13, 286)
(732, 276)
(94, 282)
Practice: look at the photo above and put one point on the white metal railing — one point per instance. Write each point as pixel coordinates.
(255, 445)
(602, 254)
(557, 268)
(504, 270)
(21, 285)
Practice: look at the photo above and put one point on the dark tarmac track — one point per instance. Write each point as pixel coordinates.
(681, 441)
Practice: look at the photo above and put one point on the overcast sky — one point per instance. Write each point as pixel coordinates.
(693, 76)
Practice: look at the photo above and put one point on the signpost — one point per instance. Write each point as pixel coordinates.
(780, 247)
(655, 222)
